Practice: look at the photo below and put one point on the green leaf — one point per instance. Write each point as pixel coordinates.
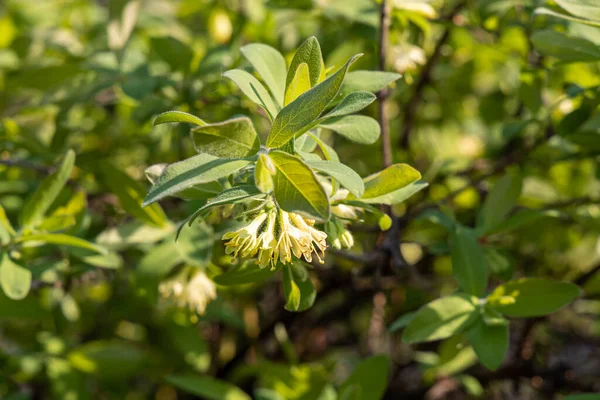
(159, 260)
(188, 343)
(299, 84)
(201, 191)
(27, 309)
(401, 322)
(41, 200)
(439, 217)
(309, 53)
(263, 173)
(300, 115)
(370, 377)
(490, 342)
(177, 54)
(441, 319)
(106, 260)
(59, 239)
(199, 169)
(131, 195)
(15, 280)
(351, 104)
(247, 272)
(195, 244)
(532, 297)
(232, 195)
(5, 225)
(267, 394)
(455, 361)
(328, 152)
(546, 11)
(234, 138)
(500, 264)
(368, 81)
(297, 188)
(121, 22)
(471, 385)
(565, 48)
(177, 116)
(469, 263)
(298, 289)
(385, 187)
(500, 200)
(519, 219)
(587, 135)
(356, 128)
(270, 65)
(207, 387)
(111, 360)
(583, 396)
(253, 89)
(589, 9)
(343, 174)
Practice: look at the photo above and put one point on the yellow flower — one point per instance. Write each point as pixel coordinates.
(277, 236)
(267, 242)
(194, 293)
(318, 238)
(245, 239)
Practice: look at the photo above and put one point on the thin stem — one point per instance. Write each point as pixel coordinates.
(386, 145)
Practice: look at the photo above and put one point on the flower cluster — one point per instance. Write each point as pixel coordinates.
(194, 292)
(274, 236)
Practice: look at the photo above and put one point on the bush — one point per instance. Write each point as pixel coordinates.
(299, 200)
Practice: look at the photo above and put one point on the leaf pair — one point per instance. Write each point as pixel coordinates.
(483, 322)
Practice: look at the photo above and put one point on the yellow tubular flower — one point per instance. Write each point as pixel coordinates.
(317, 237)
(194, 293)
(245, 239)
(275, 236)
(267, 242)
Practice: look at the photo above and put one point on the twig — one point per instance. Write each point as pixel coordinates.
(386, 144)
(26, 165)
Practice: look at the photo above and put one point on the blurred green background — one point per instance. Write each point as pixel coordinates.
(480, 95)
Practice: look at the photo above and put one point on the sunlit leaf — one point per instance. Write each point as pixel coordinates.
(356, 128)
(177, 116)
(343, 174)
(199, 169)
(270, 65)
(41, 200)
(385, 187)
(299, 116)
(299, 84)
(441, 319)
(532, 297)
(296, 187)
(15, 280)
(207, 387)
(253, 89)
(234, 138)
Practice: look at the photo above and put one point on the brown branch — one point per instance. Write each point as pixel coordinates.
(26, 165)
(386, 144)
